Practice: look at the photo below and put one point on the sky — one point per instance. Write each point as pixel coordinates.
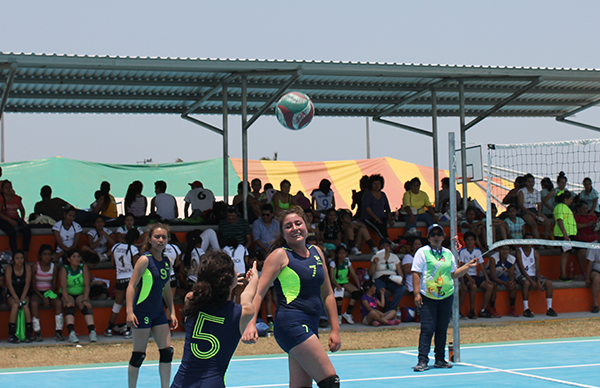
(512, 33)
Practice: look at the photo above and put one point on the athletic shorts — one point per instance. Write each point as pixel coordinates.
(504, 278)
(122, 284)
(478, 280)
(598, 272)
(173, 281)
(147, 319)
(534, 278)
(294, 327)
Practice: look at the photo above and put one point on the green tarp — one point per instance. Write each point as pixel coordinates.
(76, 181)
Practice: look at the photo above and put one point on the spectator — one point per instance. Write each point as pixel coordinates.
(386, 272)
(282, 200)
(357, 196)
(592, 276)
(200, 199)
(45, 292)
(18, 283)
(590, 196)
(98, 240)
(108, 206)
(163, 205)
(173, 252)
(528, 275)
(565, 228)
(444, 197)
(234, 226)
(256, 185)
(499, 227)
(128, 224)
(502, 272)
(323, 198)
(267, 194)
(75, 286)
(512, 197)
(477, 227)
(11, 221)
(585, 232)
(48, 206)
(530, 208)
(547, 204)
(66, 233)
(417, 206)
(369, 303)
(330, 233)
(407, 261)
(253, 207)
(123, 258)
(550, 199)
(354, 233)
(376, 212)
(340, 273)
(515, 223)
(311, 227)
(239, 255)
(302, 201)
(265, 230)
(474, 278)
(135, 202)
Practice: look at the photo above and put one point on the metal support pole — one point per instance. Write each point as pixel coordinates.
(434, 129)
(2, 135)
(463, 143)
(225, 146)
(368, 140)
(245, 144)
(453, 230)
(488, 218)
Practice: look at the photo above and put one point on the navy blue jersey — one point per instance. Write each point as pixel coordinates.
(211, 338)
(298, 286)
(149, 293)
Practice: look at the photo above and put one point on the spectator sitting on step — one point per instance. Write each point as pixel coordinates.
(163, 205)
(354, 233)
(547, 204)
(303, 202)
(108, 206)
(471, 224)
(386, 271)
(66, 233)
(48, 206)
(444, 197)
(376, 212)
(283, 200)
(514, 222)
(363, 184)
(369, 303)
(323, 198)
(265, 230)
(340, 273)
(499, 227)
(252, 204)
(99, 240)
(311, 227)
(561, 185)
(239, 255)
(234, 226)
(192, 258)
(530, 208)
(529, 276)
(199, 199)
(407, 261)
(12, 217)
(511, 198)
(590, 196)
(586, 221)
(45, 292)
(592, 276)
(267, 194)
(501, 266)
(128, 224)
(474, 278)
(256, 185)
(135, 202)
(18, 285)
(417, 206)
(330, 233)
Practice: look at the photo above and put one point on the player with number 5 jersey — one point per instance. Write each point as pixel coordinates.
(145, 292)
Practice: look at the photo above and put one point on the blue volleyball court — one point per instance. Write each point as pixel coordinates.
(557, 363)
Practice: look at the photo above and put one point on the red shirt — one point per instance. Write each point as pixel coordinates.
(10, 209)
(586, 234)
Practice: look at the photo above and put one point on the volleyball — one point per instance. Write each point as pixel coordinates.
(295, 110)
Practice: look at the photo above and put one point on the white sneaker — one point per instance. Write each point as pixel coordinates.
(339, 319)
(348, 318)
(355, 251)
(93, 336)
(73, 338)
(374, 250)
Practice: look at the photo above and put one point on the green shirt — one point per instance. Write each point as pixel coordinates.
(75, 283)
(562, 212)
(438, 279)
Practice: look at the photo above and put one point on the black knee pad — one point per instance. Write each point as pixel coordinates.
(137, 358)
(70, 310)
(330, 382)
(86, 311)
(166, 354)
(356, 295)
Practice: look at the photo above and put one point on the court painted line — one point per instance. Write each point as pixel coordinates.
(556, 367)
(475, 346)
(513, 372)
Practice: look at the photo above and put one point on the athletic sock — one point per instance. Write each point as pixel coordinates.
(512, 301)
(70, 328)
(349, 309)
(59, 321)
(29, 329)
(371, 243)
(12, 328)
(549, 302)
(492, 304)
(269, 318)
(351, 244)
(526, 304)
(110, 325)
(91, 328)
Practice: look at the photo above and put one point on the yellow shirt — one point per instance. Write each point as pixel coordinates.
(111, 210)
(416, 201)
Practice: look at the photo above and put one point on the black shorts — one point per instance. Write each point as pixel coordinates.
(122, 284)
(173, 281)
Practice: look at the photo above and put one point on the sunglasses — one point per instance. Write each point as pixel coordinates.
(266, 214)
(436, 234)
(390, 266)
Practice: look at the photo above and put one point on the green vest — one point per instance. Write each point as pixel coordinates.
(75, 283)
(438, 281)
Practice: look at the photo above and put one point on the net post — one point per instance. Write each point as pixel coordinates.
(488, 211)
(453, 233)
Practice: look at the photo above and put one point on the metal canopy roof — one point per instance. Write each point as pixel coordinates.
(107, 84)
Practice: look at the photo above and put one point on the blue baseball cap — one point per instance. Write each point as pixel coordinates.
(433, 226)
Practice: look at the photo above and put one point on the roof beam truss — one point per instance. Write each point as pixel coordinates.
(9, 83)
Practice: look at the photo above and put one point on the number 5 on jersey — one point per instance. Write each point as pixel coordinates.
(215, 345)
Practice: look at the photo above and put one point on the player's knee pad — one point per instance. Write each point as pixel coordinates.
(137, 358)
(70, 310)
(356, 295)
(117, 308)
(86, 311)
(330, 382)
(166, 354)
(339, 299)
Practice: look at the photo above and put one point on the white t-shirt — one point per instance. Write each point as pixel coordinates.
(172, 251)
(238, 255)
(195, 256)
(419, 265)
(165, 206)
(502, 270)
(123, 230)
(103, 246)
(528, 263)
(593, 255)
(530, 200)
(66, 235)
(123, 255)
(383, 268)
(408, 259)
(464, 256)
(322, 201)
(200, 199)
